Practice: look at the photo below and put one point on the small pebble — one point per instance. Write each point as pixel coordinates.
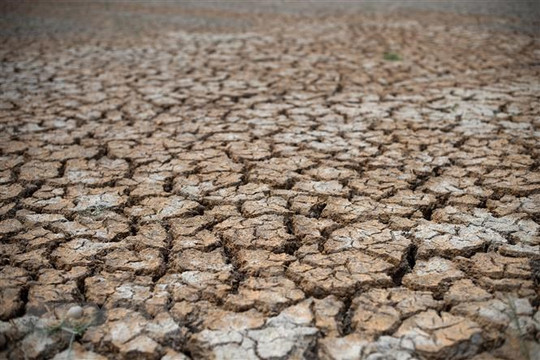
(75, 312)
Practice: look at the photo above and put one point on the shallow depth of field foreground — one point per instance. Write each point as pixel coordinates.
(273, 180)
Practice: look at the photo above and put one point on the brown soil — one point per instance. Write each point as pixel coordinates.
(213, 182)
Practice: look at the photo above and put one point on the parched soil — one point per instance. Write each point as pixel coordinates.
(232, 184)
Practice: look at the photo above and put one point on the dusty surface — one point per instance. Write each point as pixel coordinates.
(217, 183)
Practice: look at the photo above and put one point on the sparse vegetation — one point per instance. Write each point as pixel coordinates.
(75, 323)
(392, 56)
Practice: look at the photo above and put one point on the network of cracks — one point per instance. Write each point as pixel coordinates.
(278, 193)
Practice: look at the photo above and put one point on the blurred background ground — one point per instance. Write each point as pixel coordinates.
(127, 18)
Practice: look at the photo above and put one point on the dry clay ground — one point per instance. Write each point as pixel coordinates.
(231, 185)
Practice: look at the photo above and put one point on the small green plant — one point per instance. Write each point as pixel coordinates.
(391, 56)
(75, 323)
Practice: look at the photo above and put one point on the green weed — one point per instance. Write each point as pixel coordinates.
(74, 326)
(392, 56)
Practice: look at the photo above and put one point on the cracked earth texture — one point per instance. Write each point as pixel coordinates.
(242, 185)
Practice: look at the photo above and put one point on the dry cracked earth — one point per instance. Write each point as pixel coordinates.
(213, 183)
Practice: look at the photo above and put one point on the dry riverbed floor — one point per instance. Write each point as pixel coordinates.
(219, 183)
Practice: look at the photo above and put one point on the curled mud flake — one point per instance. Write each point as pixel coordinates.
(268, 295)
(93, 202)
(514, 182)
(291, 330)
(171, 354)
(196, 186)
(216, 344)
(77, 351)
(271, 205)
(151, 235)
(145, 261)
(39, 237)
(10, 191)
(501, 273)
(119, 329)
(163, 328)
(340, 273)
(320, 187)
(10, 226)
(191, 225)
(13, 281)
(515, 227)
(194, 260)
(49, 199)
(496, 266)
(202, 240)
(327, 313)
(105, 227)
(5, 209)
(508, 315)
(381, 311)
(303, 204)
(441, 336)
(42, 295)
(225, 334)
(235, 195)
(434, 274)
(411, 198)
(195, 285)
(373, 238)
(263, 263)
(39, 345)
(465, 290)
(254, 151)
(310, 229)
(39, 170)
(453, 240)
(82, 252)
(509, 204)
(520, 250)
(140, 347)
(380, 183)
(363, 208)
(267, 232)
(118, 289)
(33, 219)
(32, 260)
(94, 172)
(447, 185)
(160, 208)
(340, 348)
(328, 173)
(148, 185)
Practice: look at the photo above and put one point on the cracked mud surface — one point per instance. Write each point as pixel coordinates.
(235, 185)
